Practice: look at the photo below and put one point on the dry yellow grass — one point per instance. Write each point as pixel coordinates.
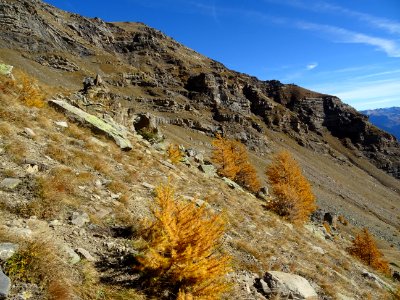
(54, 192)
(16, 149)
(36, 261)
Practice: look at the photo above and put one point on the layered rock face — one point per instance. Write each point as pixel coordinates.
(146, 71)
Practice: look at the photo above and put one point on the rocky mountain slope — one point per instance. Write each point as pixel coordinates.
(386, 118)
(138, 80)
(145, 68)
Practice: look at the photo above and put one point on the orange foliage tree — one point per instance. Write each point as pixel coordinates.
(294, 199)
(364, 247)
(174, 153)
(183, 248)
(30, 93)
(232, 161)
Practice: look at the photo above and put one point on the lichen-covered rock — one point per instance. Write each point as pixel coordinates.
(95, 123)
(6, 69)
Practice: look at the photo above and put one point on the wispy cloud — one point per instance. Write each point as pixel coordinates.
(363, 94)
(391, 26)
(382, 23)
(207, 9)
(311, 66)
(343, 35)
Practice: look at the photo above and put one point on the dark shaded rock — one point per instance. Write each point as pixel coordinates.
(396, 275)
(318, 216)
(331, 219)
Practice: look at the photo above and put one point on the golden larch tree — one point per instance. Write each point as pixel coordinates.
(364, 247)
(174, 153)
(183, 248)
(294, 199)
(224, 157)
(232, 160)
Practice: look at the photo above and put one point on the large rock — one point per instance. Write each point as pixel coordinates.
(5, 69)
(9, 183)
(7, 250)
(232, 184)
(79, 219)
(288, 286)
(5, 285)
(209, 170)
(118, 134)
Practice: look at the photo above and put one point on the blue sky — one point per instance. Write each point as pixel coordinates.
(350, 49)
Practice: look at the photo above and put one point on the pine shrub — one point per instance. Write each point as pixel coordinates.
(364, 247)
(183, 248)
(293, 199)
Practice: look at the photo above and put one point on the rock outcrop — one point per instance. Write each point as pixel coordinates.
(189, 90)
(286, 285)
(111, 130)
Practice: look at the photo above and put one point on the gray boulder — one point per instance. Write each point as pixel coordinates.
(9, 183)
(79, 219)
(288, 286)
(7, 250)
(232, 184)
(209, 170)
(83, 253)
(119, 135)
(5, 285)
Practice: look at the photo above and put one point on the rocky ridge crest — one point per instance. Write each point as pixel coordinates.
(173, 79)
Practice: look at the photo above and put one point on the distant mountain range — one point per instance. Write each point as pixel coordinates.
(387, 119)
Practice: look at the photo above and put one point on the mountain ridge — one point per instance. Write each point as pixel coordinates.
(386, 118)
(149, 86)
(298, 111)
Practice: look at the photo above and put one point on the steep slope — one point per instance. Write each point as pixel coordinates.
(153, 69)
(78, 201)
(387, 119)
(148, 81)
(143, 71)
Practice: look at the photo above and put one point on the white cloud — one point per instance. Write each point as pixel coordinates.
(323, 6)
(311, 66)
(366, 90)
(382, 23)
(342, 35)
(363, 94)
